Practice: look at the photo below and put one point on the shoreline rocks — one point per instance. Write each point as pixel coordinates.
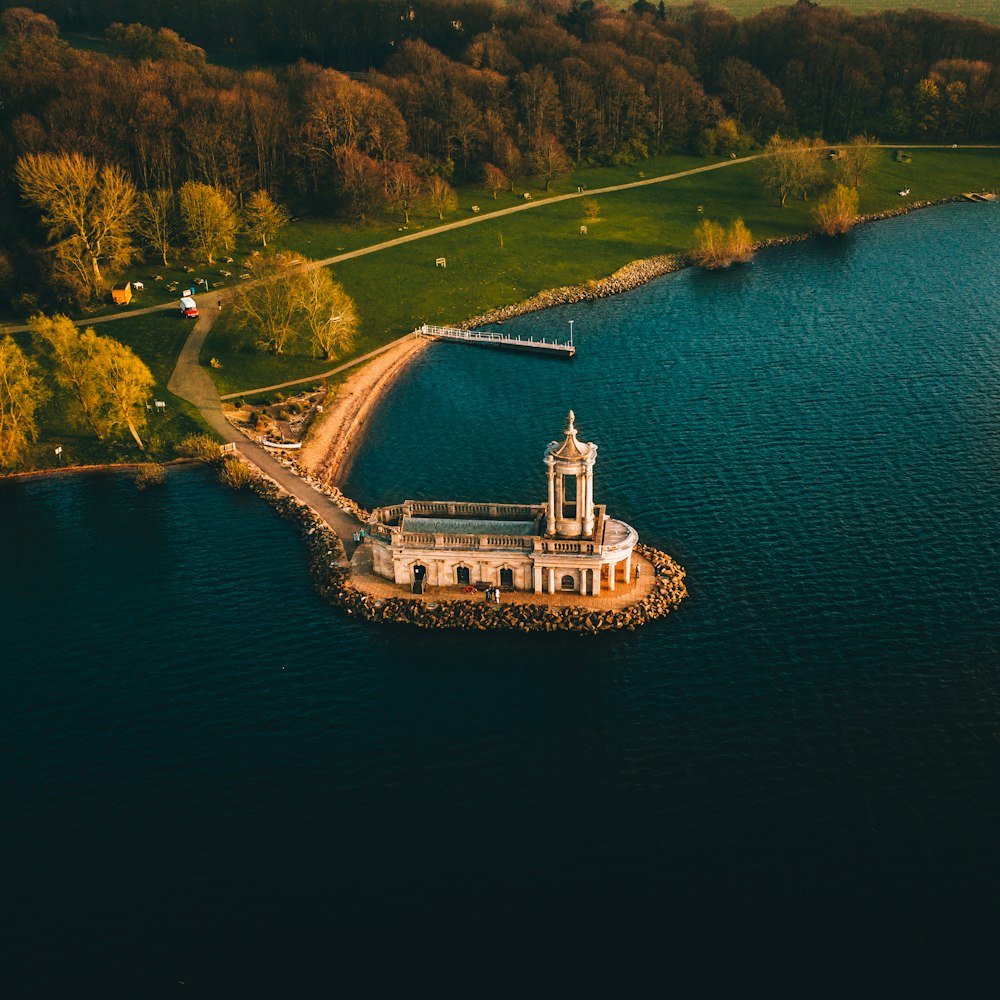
(640, 272)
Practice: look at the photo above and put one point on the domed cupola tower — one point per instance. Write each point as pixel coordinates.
(570, 466)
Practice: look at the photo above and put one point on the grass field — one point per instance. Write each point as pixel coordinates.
(986, 10)
(495, 262)
(511, 258)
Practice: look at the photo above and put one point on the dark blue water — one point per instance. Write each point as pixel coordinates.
(210, 776)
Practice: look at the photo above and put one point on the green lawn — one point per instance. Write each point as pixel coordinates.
(509, 259)
(986, 10)
(495, 262)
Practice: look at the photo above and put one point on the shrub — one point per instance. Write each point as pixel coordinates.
(236, 473)
(591, 209)
(149, 474)
(200, 446)
(716, 247)
(837, 211)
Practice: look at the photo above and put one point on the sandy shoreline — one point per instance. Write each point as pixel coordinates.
(333, 440)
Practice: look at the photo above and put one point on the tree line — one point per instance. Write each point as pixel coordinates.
(443, 91)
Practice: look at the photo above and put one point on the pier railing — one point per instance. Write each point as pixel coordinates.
(490, 338)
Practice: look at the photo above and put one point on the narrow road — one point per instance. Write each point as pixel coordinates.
(192, 382)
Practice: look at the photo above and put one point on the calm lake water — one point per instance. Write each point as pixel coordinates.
(210, 777)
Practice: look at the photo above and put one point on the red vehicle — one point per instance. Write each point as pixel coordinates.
(189, 307)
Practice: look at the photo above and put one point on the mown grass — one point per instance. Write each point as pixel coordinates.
(495, 262)
(508, 259)
(985, 10)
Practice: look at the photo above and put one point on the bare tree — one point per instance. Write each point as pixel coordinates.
(790, 167)
(327, 311)
(548, 158)
(494, 179)
(441, 195)
(88, 211)
(267, 306)
(22, 392)
(403, 187)
(155, 220)
(857, 158)
(715, 247)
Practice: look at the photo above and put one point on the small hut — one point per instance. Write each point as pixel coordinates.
(121, 295)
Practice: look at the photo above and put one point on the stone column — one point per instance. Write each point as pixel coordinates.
(536, 578)
(628, 569)
(552, 580)
(550, 513)
(588, 509)
(597, 582)
(611, 577)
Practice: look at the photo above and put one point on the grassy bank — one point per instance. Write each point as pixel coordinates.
(504, 260)
(496, 262)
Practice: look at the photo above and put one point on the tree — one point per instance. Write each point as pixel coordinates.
(88, 211)
(403, 187)
(75, 354)
(327, 311)
(494, 179)
(857, 158)
(267, 306)
(288, 297)
(125, 384)
(927, 105)
(836, 212)
(790, 167)
(209, 216)
(362, 180)
(155, 220)
(548, 158)
(441, 195)
(109, 384)
(757, 104)
(22, 392)
(262, 218)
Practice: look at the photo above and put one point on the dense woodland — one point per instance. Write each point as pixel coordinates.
(443, 92)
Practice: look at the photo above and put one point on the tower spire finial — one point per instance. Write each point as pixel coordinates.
(570, 427)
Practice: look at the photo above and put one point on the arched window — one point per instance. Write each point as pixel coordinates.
(568, 583)
(506, 578)
(462, 576)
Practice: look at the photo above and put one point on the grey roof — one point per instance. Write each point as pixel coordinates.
(464, 526)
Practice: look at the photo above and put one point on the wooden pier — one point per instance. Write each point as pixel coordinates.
(487, 338)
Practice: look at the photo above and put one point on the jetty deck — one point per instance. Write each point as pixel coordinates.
(488, 338)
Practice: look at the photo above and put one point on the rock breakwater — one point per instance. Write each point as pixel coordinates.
(330, 575)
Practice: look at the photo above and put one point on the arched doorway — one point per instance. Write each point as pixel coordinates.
(568, 583)
(419, 575)
(590, 582)
(462, 576)
(507, 578)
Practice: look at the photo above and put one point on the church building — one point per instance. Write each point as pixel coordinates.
(568, 544)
